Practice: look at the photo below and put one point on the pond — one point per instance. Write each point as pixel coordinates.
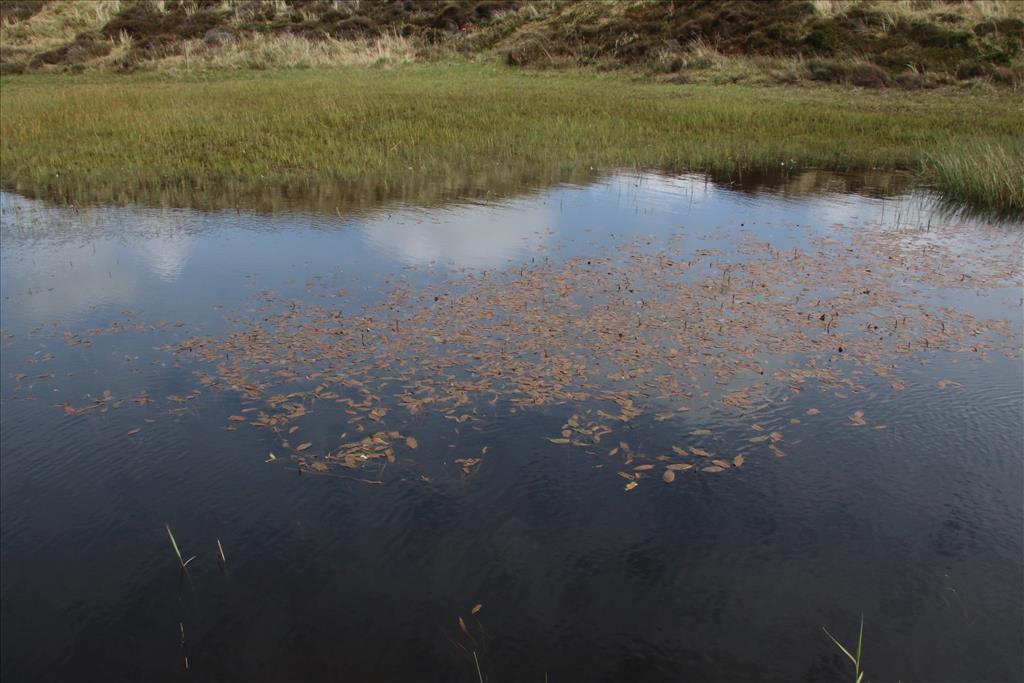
(636, 426)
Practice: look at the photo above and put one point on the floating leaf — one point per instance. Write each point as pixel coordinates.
(669, 476)
(411, 442)
(559, 441)
(303, 446)
(724, 464)
(237, 418)
(858, 418)
(631, 485)
(759, 439)
(135, 431)
(700, 451)
(712, 468)
(643, 468)
(813, 411)
(476, 609)
(739, 460)
(700, 432)
(680, 467)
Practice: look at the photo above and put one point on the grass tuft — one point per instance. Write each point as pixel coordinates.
(983, 175)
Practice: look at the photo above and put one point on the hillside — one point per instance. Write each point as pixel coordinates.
(870, 43)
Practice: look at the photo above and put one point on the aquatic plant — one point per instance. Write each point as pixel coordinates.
(177, 551)
(858, 675)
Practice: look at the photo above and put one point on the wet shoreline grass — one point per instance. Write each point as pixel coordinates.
(71, 137)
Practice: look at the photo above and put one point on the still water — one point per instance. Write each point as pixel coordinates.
(531, 526)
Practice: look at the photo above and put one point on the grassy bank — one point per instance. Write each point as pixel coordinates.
(75, 136)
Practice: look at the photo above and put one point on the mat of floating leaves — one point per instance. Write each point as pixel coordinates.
(606, 339)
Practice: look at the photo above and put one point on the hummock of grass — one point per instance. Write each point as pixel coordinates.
(986, 176)
(73, 136)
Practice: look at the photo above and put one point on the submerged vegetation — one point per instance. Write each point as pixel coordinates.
(99, 136)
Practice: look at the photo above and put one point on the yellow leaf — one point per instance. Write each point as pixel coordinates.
(631, 485)
(668, 477)
(411, 442)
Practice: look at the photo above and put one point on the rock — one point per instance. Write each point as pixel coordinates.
(216, 37)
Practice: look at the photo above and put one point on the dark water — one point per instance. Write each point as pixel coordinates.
(728, 576)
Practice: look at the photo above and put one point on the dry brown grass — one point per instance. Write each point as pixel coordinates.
(288, 51)
(971, 10)
(57, 23)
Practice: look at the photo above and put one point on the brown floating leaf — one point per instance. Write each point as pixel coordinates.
(776, 437)
(700, 432)
(680, 466)
(739, 460)
(943, 383)
(813, 411)
(476, 609)
(701, 452)
(724, 464)
(559, 441)
(643, 468)
(303, 446)
(668, 477)
(759, 439)
(237, 418)
(411, 442)
(631, 485)
(779, 453)
(135, 431)
(680, 451)
(294, 429)
(858, 418)
(712, 468)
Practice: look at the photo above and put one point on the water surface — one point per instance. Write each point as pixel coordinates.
(149, 318)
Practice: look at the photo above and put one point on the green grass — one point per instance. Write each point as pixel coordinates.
(97, 136)
(988, 175)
